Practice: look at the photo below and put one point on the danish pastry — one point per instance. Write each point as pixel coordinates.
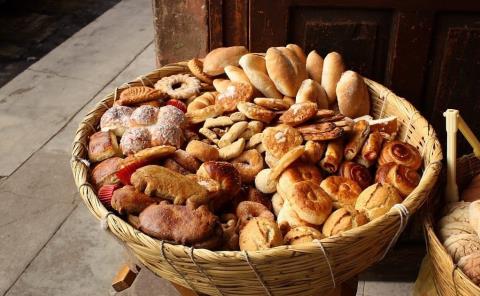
(401, 153)
(279, 139)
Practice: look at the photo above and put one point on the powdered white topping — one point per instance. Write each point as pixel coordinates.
(203, 183)
(135, 139)
(144, 115)
(166, 134)
(115, 116)
(230, 91)
(280, 137)
(171, 116)
(295, 108)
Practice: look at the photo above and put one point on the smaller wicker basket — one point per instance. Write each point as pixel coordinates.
(447, 277)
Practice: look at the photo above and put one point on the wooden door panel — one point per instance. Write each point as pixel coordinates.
(360, 35)
(454, 75)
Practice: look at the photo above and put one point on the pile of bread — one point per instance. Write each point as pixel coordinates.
(251, 151)
(459, 230)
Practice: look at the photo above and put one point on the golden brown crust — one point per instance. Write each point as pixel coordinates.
(186, 160)
(401, 153)
(175, 166)
(387, 127)
(204, 100)
(247, 210)
(255, 112)
(285, 70)
(139, 94)
(279, 139)
(272, 104)
(248, 164)
(310, 202)
(288, 219)
(314, 65)
(298, 172)
(181, 224)
(298, 113)
(127, 200)
(260, 234)
(200, 115)
(372, 147)
(103, 145)
(234, 93)
(333, 156)
(333, 68)
(376, 200)
(356, 172)
(302, 235)
(360, 132)
(196, 67)
(104, 172)
(256, 71)
(352, 95)
(312, 91)
(314, 151)
(149, 155)
(202, 151)
(325, 131)
(401, 177)
(255, 195)
(164, 183)
(344, 192)
(216, 60)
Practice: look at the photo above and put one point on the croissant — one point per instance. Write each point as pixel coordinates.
(401, 153)
(356, 172)
(333, 156)
(401, 177)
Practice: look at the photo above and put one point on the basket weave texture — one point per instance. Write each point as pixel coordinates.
(285, 270)
(447, 277)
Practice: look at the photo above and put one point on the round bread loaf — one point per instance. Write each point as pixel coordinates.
(314, 66)
(301, 235)
(342, 220)
(288, 219)
(333, 68)
(376, 200)
(260, 234)
(352, 95)
(216, 60)
(343, 191)
(470, 265)
(310, 202)
(461, 245)
(446, 230)
(298, 51)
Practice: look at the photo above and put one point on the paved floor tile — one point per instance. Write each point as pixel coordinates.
(374, 288)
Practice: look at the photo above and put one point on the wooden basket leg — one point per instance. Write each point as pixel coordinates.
(124, 278)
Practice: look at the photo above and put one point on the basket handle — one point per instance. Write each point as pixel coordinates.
(455, 122)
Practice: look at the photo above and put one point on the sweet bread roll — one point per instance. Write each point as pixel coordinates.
(297, 172)
(472, 192)
(387, 127)
(116, 119)
(217, 59)
(202, 151)
(359, 134)
(262, 182)
(333, 68)
(312, 91)
(298, 51)
(333, 156)
(103, 145)
(127, 200)
(401, 153)
(279, 139)
(343, 192)
(372, 147)
(288, 219)
(342, 220)
(401, 177)
(462, 245)
(284, 67)
(446, 230)
(470, 265)
(247, 210)
(455, 212)
(298, 113)
(356, 172)
(314, 151)
(104, 173)
(236, 74)
(376, 200)
(352, 95)
(260, 234)
(234, 93)
(204, 100)
(310, 202)
(474, 215)
(314, 65)
(302, 235)
(256, 71)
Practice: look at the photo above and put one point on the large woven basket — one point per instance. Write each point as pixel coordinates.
(285, 270)
(447, 277)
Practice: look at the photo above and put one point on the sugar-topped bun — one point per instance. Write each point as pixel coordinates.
(171, 115)
(143, 116)
(116, 119)
(135, 139)
(166, 134)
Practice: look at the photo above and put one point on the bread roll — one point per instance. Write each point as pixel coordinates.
(302, 235)
(310, 202)
(298, 172)
(285, 70)
(456, 212)
(127, 200)
(472, 192)
(342, 220)
(474, 215)
(470, 265)
(221, 85)
(446, 230)
(298, 51)
(256, 71)
(314, 66)
(312, 91)
(260, 234)
(461, 245)
(216, 60)
(277, 203)
(333, 68)
(401, 153)
(356, 172)
(376, 200)
(104, 173)
(288, 219)
(352, 95)
(343, 192)
(103, 145)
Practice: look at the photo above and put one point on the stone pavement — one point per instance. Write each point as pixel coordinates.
(49, 242)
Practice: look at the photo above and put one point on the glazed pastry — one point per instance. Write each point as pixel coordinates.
(234, 93)
(401, 153)
(376, 200)
(161, 182)
(103, 145)
(139, 94)
(116, 119)
(302, 235)
(333, 156)
(343, 192)
(217, 59)
(401, 177)
(387, 127)
(256, 71)
(352, 95)
(260, 234)
(360, 132)
(342, 220)
(181, 224)
(104, 173)
(314, 64)
(127, 200)
(279, 139)
(462, 245)
(189, 86)
(333, 68)
(247, 210)
(372, 147)
(356, 172)
(298, 113)
(325, 131)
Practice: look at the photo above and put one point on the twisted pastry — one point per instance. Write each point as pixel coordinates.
(356, 172)
(401, 153)
(401, 177)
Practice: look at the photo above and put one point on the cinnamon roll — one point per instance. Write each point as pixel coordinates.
(356, 172)
(401, 177)
(401, 153)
